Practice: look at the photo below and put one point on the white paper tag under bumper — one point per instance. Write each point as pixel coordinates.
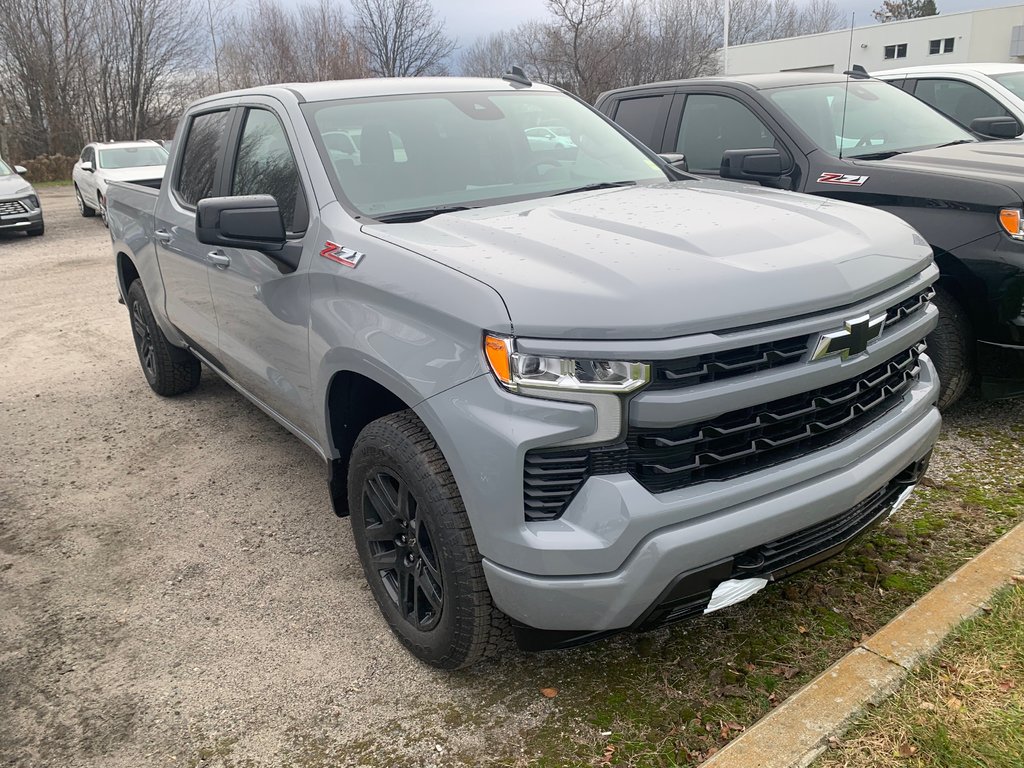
(732, 591)
(901, 500)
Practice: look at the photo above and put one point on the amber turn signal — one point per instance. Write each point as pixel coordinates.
(1010, 219)
(498, 351)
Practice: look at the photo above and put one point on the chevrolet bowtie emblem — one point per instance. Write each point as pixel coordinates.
(852, 340)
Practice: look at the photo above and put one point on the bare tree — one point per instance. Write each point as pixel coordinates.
(402, 38)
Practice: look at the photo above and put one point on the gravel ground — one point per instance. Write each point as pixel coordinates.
(174, 589)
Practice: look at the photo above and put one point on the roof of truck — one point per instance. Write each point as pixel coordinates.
(755, 82)
(377, 86)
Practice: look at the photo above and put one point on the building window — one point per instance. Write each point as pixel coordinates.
(896, 51)
(944, 45)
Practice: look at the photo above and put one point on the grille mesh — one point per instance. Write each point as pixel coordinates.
(11, 207)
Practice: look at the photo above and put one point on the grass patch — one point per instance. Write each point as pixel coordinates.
(964, 707)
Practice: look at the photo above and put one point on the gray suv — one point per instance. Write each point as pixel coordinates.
(20, 210)
(563, 393)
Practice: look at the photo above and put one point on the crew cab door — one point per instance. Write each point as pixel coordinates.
(184, 263)
(262, 306)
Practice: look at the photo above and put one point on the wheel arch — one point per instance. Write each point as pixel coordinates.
(353, 400)
(127, 272)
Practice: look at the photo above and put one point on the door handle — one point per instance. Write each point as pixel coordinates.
(218, 259)
(162, 235)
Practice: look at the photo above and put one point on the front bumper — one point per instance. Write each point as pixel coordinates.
(1001, 369)
(13, 219)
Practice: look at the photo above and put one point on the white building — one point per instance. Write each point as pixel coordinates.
(992, 34)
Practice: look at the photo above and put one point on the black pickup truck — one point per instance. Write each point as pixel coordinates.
(864, 141)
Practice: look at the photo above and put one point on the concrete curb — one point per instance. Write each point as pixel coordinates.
(795, 733)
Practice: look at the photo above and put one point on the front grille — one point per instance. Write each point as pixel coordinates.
(11, 208)
(754, 438)
(701, 369)
(716, 366)
(726, 447)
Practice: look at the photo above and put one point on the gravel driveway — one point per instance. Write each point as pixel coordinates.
(174, 589)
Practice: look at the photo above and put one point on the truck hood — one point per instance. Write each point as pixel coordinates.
(12, 185)
(994, 161)
(669, 259)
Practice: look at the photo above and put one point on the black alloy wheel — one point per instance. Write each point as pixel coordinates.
(402, 550)
(143, 340)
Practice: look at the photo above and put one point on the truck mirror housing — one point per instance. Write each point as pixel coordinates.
(763, 165)
(86, 166)
(244, 221)
(676, 160)
(996, 127)
(21, 170)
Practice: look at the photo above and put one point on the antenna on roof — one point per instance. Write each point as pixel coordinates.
(846, 93)
(517, 75)
(857, 72)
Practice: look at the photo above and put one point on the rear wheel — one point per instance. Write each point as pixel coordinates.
(950, 346)
(101, 207)
(83, 209)
(168, 369)
(416, 545)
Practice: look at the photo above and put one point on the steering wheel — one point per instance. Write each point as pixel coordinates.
(865, 140)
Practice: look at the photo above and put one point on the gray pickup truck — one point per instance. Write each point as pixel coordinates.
(562, 389)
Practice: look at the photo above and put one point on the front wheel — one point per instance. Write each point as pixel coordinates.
(168, 369)
(416, 545)
(950, 346)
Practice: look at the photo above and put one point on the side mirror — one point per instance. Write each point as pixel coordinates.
(996, 127)
(676, 160)
(21, 170)
(250, 221)
(762, 165)
(86, 166)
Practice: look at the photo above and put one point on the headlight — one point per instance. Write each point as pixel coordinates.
(516, 369)
(1012, 222)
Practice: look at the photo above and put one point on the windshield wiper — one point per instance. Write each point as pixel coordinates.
(875, 155)
(597, 185)
(954, 143)
(420, 214)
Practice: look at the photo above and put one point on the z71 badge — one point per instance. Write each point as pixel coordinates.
(341, 254)
(846, 179)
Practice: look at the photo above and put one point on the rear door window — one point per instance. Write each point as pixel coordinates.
(643, 117)
(204, 145)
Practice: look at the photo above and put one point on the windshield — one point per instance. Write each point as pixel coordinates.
(5, 170)
(1012, 81)
(409, 153)
(880, 118)
(131, 157)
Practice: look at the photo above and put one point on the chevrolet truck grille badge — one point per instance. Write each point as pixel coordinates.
(852, 340)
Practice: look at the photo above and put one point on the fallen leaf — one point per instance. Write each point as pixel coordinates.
(734, 726)
(549, 693)
(606, 758)
(954, 703)
(927, 706)
(1007, 685)
(907, 750)
(802, 629)
(834, 743)
(1017, 578)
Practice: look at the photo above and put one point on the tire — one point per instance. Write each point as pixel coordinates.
(950, 346)
(101, 207)
(169, 370)
(417, 547)
(36, 231)
(83, 209)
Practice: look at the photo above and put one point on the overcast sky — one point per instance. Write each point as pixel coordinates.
(469, 19)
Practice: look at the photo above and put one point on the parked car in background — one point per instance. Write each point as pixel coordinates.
(863, 141)
(20, 210)
(966, 92)
(545, 137)
(101, 163)
(577, 396)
